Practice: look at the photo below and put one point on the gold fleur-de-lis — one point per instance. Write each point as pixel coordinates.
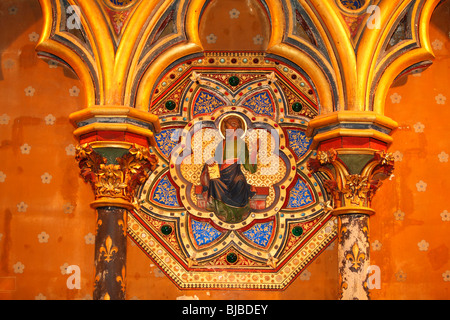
(356, 257)
(365, 229)
(343, 230)
(122, 223)
(122, 279)
(108, 249)
(99, 223)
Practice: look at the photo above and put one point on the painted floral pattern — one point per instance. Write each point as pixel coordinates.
(165, 193)
(260, 104)
(300, 195)
(260, 233)
(206, 103)
(203, 232)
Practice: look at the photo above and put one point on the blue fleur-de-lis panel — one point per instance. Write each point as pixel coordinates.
(165, 193)
(260, 234)
(300, 195)
(205, 103)
(203, 232)
(298, 142)
(167, 139)
(260, 103)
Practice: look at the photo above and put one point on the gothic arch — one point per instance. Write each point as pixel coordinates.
(277, 48)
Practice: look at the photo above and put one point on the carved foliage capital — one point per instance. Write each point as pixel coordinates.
(119, 180)
(352, 189)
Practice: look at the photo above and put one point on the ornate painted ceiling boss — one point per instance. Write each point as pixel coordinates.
(197, 239)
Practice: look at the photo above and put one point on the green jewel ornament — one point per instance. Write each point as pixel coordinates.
(297, 107)
(232, 257)
(166, 229)
(297, 231)
(233, 81)
(170, 105)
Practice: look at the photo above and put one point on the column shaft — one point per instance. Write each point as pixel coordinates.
(353, 256)
(110, 253)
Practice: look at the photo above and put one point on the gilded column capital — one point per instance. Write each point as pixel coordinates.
(352, 178)
(114, 184)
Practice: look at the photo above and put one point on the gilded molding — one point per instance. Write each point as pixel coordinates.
(351, 124)
(115, 118)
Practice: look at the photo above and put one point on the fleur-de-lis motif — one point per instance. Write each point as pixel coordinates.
(122, 222)
(99, 223)
(108, 250)
(356, 257)
(344, 287)
(122, 279)
(343, 230)
(365, 229)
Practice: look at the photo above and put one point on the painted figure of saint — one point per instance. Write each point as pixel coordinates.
(224, 183)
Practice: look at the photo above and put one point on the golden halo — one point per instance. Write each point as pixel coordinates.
(232, 115)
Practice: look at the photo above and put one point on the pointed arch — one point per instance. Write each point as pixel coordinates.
(418, 55)
(276, 47)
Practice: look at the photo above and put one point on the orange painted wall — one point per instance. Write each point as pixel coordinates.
(46, 223)
(410, 232)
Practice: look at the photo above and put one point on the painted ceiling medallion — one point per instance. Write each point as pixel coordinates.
(232, 203)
